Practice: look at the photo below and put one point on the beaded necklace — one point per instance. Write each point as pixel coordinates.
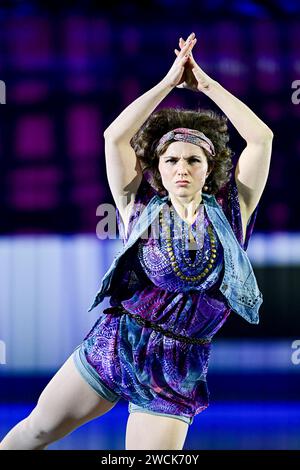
(199, 242)
(198, 258)
(184, 234)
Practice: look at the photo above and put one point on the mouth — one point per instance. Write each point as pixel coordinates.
(183, 182)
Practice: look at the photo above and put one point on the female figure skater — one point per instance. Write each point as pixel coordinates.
(170, 290)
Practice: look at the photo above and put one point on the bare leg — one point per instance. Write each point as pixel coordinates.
(66, 403)
(148, 432)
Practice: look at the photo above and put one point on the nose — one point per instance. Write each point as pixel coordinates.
(181, 169)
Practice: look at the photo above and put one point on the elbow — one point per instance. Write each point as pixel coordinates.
(109, 132)
(267, 135)
(110, 136)
(105, 133)
(116, 137)
(262, 139)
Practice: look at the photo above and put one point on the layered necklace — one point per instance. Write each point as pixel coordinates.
(166, 233)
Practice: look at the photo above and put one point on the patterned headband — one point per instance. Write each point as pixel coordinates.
(187, 135)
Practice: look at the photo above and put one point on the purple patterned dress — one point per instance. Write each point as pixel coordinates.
(144, 366)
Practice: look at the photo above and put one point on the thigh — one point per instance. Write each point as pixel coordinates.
(67, 402)
(146, 431)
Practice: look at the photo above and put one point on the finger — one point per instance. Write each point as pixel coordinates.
(181, 57)
(186, 48)
(191, 36)
(190, 51)
(189, 45)
(186, 51)
(189, 42)
(189, 39)
(185, 58)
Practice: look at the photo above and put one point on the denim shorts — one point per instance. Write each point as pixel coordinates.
(93, 379)
(91, 376)
(132, 408)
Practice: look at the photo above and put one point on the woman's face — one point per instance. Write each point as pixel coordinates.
(183, 161)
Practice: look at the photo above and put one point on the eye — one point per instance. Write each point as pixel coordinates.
(192, 159)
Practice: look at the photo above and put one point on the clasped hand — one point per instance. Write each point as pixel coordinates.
(185, 72)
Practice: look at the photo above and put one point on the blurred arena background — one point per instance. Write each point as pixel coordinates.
(68, 72)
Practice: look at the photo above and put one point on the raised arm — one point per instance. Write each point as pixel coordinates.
(124, 173)
(253, 165)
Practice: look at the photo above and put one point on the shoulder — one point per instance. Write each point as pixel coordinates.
(139, 202)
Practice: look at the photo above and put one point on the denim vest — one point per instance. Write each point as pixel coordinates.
(239, 285)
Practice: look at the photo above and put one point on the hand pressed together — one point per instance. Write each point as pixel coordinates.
(175, 76)
(193, 78)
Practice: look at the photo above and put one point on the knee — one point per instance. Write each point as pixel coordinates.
(36, 428)
(41, 428)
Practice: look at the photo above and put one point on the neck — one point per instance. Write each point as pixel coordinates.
(186, 206)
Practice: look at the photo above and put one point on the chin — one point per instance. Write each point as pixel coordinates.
(186, 189)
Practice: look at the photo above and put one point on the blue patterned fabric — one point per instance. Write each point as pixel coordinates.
(142, 365)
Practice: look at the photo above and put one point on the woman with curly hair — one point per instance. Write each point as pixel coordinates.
(171, 289)
(145, 143)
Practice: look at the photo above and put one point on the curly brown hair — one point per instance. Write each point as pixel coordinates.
(213, 125)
